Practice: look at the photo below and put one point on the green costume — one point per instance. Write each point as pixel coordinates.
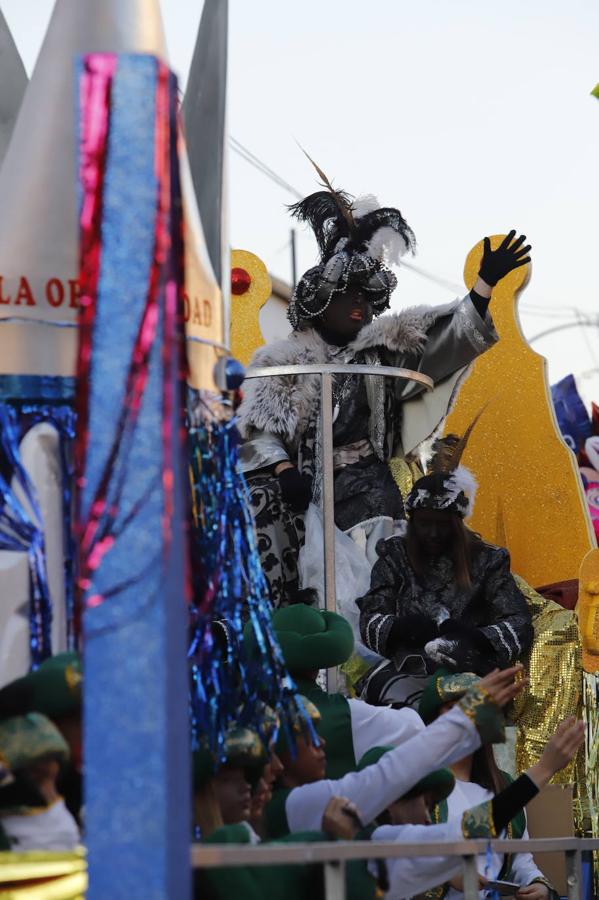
(310, 640)
(284, 882)
(313, 639)
(444, 686)
(439, 783)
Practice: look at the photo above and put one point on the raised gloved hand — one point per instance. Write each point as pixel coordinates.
(414, 630)
(496, 264)
(296, 489)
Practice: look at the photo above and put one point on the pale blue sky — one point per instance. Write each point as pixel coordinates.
(470, 116)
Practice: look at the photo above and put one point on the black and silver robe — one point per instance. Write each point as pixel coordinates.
(375, 419)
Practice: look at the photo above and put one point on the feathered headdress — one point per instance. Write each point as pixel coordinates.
(447, 485)
(357, 239)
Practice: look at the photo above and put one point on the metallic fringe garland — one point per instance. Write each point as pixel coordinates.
(21, 524)
(229, 683)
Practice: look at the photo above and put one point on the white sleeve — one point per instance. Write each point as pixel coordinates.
(374, 726)
(413, 875)
(450, 737)
(523, 868)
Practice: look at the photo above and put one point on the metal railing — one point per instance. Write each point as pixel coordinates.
(335, 855)
(326, 373)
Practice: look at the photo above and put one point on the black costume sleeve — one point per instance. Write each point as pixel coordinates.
(509, 629)
(481, 304)
(383, 629)
(511, 800)
(378, 607)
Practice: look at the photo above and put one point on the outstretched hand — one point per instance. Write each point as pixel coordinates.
(501, 686)
(510, 254)
(559, 751)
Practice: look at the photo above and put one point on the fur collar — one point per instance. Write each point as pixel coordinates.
(282, 405)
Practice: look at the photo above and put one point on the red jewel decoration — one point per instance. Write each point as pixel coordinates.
(240, 281)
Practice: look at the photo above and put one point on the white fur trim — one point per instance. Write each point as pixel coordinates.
(464, 481)
(364, 204)
(284, 405)
(387, 245)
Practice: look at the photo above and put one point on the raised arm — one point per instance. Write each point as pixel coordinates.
(452, 736)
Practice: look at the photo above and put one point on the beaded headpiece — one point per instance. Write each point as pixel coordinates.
(356, 238)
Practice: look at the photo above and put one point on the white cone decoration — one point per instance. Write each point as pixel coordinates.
(39, 265)
(13, 84)
(38, 194)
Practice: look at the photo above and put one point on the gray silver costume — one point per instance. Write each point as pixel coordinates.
(375, 419)
(493, 605)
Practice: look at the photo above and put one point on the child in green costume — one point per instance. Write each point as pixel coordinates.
(313, 639)
(478, 780)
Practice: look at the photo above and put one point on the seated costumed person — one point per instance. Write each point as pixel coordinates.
(313, 639)
(331, 313)
(440, 595)
(478, 780)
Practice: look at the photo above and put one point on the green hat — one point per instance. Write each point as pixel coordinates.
(440, 783)
(298, 724)
(443, 687)
(311, 638)
(242, 748)
(54, 689)
(26, 739)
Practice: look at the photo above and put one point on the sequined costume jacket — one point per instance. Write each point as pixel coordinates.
(493, 603)
(278, 416)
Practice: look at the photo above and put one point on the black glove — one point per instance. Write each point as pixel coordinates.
(496, 264)
(296, 489)
(414, 630)
(464, 648)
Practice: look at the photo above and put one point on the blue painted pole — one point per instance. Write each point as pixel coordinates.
(136, 741)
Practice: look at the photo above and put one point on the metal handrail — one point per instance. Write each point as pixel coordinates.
(333, 855)
(326, 372)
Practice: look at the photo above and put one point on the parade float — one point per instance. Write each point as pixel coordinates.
(94, 534)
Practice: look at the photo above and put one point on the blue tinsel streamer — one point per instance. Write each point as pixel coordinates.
(229, 584)
(21, 528)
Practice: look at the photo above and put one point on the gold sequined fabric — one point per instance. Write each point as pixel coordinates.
(554, 690)
(405, 472)
(589, 795)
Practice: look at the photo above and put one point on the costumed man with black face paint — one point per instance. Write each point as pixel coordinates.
(439, 594)
(331, 312)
